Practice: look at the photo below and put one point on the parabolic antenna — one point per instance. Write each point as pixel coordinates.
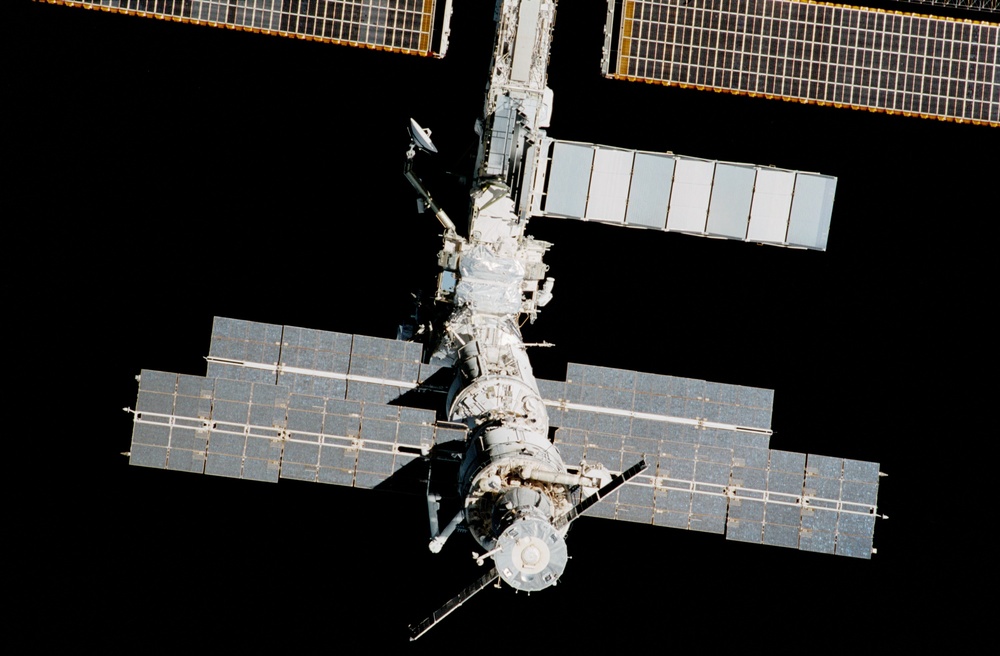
(421, 137)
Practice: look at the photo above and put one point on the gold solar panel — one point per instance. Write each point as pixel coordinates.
(816, 53)
(407, 26)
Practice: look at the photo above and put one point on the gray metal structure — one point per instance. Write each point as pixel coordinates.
(520, 457)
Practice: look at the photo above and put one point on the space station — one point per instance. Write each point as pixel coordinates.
(450, 409)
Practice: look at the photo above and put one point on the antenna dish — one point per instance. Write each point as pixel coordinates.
(421, 137)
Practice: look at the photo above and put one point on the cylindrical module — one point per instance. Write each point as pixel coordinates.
(511, 515)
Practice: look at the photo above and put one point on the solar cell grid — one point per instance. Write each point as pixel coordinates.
(683, 194)
(654, 407)
(706, 480)
(399, 25)
(802, 51)
(263, 431)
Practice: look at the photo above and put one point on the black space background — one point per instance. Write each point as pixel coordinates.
(161, 174)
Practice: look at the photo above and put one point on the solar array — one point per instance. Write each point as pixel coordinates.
(260, 415)
(709, 465)
(421, 628)
(669, 192)
(316, 362)
(407, 26)
(810, 52)
(288, 402)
